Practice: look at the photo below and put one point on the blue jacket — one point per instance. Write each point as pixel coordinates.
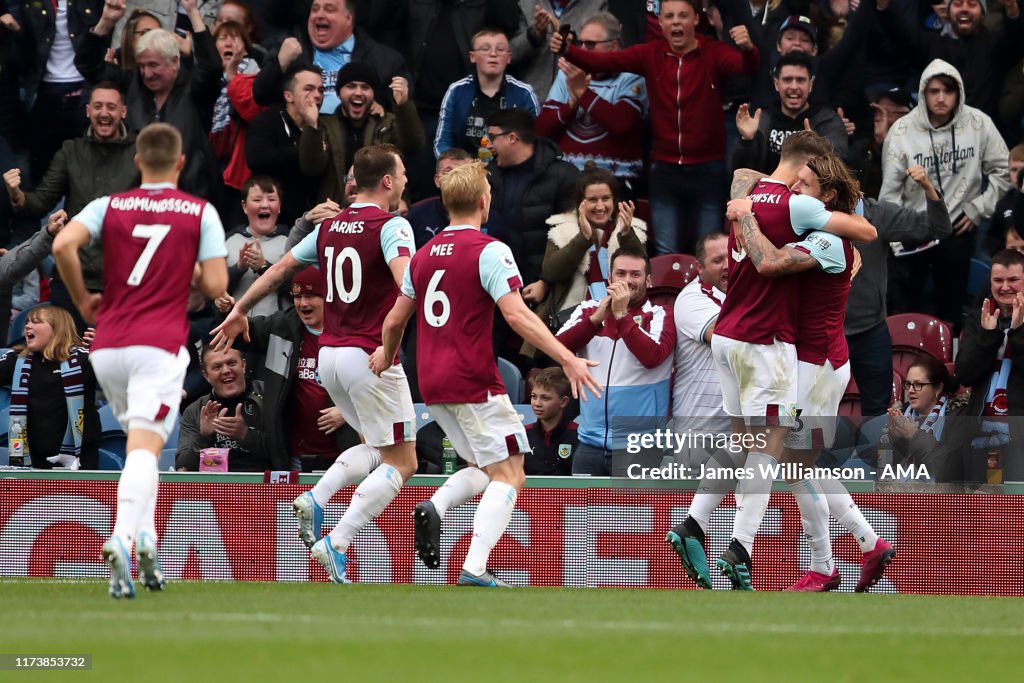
(458, 103)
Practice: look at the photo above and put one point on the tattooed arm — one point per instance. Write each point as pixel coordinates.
(769, 260)
(743, 181)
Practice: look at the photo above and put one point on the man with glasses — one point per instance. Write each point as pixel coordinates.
(471, 101)
(597, 118)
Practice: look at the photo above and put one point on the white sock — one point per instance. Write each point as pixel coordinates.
(135, 489)
(489, 523)
(148, 522)
(351, 467)
(814, 517)
(710, 495)
(842, 507)
(752, 500)
(460, 487)
(368, 500)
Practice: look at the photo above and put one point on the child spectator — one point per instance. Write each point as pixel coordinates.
(553, 438)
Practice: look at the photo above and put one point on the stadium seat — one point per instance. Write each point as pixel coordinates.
(672, 272)
(849, 406)
(528, 384)
(951, 369)
(167, 458)
(977, 277)
(109, 423)
(914, 334)
(512, 378)
(525, 411)
(423, 414)
(110, 461)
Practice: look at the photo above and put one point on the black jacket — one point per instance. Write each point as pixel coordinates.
(981, 59)
(279, 336)
(189, 107)
(39, 25)
(552, 452)
(252, 454)
(549, 190)
(269, 83)
(272, 148)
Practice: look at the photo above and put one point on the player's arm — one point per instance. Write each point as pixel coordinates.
(807, 214)
(769, 260)
(391, 334)
(73, 237)
(212, 277)
(533, 331)
(852, 227)
(237, 323)
(743, 181)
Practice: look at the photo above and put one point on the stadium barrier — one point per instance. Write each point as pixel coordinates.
(571, 532)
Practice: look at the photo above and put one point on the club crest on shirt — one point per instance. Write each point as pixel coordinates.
(564, 450)
(638, 319)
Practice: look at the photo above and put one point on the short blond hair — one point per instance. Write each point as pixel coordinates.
(158, 147)
(462, 188)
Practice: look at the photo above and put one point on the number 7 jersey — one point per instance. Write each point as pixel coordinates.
(455, 279)
(152, 237)
(353, 251)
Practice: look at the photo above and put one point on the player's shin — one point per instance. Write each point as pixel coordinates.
(135, 489)
(814, 518)
(489, 523)
(752, 499)
(842, 507)
(460, 487)
(351, 467)
(368, 500)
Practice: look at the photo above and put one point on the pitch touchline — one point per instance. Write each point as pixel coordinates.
(558, 625)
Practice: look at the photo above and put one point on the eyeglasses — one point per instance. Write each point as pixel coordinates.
(487, 49)
(348, 179)
(589, 44)
(916, 386)
(494, 137)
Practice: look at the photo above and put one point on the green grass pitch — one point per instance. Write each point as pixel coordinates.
(229, 632)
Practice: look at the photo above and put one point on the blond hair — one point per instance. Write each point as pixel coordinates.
(462, 188)
(64, 336)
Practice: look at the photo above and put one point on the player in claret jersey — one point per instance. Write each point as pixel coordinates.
(452, 284)
(826, 263)
(753, 345)
(362, 253)
(156, 240)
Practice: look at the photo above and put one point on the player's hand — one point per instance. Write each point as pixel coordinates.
(741, 36)
(577, 371)
(207, 414)
(857, 263)
(989, 315)
(88, 336)
(322, 211)
(379, 362)
(619, 293)
(89, 307)
(229, 425)
(224, 303)
(399, 90)
(849, 125)
(330, 420)
(963, 226)
(235, 324)
(289, 51)
(535, 291)
(1018, 311)
(746, 123)
(738, 208)
(586, 229)
(56, 222)
(626, 211)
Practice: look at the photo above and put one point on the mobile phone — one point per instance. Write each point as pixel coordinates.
(181, 32)
(565, 30)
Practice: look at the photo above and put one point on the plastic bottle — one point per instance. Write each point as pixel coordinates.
(485, 153)
(18, 455)
(449, 459)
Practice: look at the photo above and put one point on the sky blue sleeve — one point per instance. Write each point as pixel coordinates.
(92, 216)
(396, 239)
(211, 235)
(827, 250)
(559, 92)
(499, 273)
(633, 89)
(407, 282)
(305, 251)
(807, 214)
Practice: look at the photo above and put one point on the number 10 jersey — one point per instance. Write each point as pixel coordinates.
(353, 251)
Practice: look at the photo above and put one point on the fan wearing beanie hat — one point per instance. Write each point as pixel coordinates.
(329, 142)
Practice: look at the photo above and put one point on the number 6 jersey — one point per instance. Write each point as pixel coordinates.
(353, 251)
(455, 279)
(152, 237)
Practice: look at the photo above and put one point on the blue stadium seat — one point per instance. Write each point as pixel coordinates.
(115, 444)
(977, 276)
(167, 457)
(513, 380)
(111, 461)
(526, 413)
(109, 423)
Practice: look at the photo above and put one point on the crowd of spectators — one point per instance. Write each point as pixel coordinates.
(608, 125)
